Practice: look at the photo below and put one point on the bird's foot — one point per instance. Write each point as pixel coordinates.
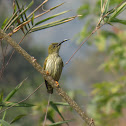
(47, 72)
(57, 84)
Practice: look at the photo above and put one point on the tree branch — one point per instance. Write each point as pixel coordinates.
(38, 67)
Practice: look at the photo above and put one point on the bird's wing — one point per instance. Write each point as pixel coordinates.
(44, 66)
(48, 86)
(62, 64)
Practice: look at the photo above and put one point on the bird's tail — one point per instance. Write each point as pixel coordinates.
(49, 87)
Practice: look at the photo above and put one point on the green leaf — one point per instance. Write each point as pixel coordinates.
(1, 96)
(51, 17)
(14, 91)
(50, 117)
(59, 123)
(57, 6)
(4, 123)
(20, 9)
(84, 32)
(15, 104)
(17, 118)
(56, 109)
(105, 7)
(26, 19)
(117, 11)
(84, 10)
(61, 103)
(4, 23)
(116, 20)
(22, 12)
(9, 21)
(55, 23)
(32, 20)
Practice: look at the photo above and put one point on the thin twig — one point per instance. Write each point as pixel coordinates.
(37, 8)
(2, 69)
(84, 42)
(44, 123)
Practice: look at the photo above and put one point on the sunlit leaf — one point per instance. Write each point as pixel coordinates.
(51, 17)
(55, 23)
(61, 103)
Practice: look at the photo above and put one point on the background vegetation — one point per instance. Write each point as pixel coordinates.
(96, 74)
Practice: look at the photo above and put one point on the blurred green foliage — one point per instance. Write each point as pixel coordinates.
(108, 97)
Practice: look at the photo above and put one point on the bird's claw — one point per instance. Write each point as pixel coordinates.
(47, 72)
(57, 84)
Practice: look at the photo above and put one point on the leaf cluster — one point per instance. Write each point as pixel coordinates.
(108, 97)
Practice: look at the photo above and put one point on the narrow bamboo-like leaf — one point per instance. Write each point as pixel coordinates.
(56, 6)
(18, 16)
(32, 20)
(50, 118)
(1, 96)
(61, 103)
(116, 20)
(23, 19)
(19, 27)
(37, 8)
(4, 115)
(17, 118)
(14, 6)
(51, 17)
(26, 19)
(56, 109)
(14, 91)
(105, 7)
(59, 123)
(101, 5)
(5, 27)
(14, 104)
(19, 9)
(4, 23)
(48, 10)
(4, 123)
(52, 24)
(118, 10)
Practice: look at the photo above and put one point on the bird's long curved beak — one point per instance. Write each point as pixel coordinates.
(63, 41)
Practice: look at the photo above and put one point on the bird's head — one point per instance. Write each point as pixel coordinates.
(54, 47)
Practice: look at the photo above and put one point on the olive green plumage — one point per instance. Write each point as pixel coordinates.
(53, 64)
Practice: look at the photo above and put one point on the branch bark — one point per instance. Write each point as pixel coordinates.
(38, 67)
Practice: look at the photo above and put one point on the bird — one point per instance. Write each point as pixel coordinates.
(53, 64)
